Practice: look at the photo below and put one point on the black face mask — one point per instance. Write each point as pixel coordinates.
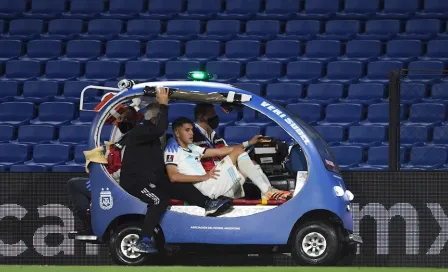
(125, 127)
(213, 122)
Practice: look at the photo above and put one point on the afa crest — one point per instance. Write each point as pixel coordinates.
(106, 199)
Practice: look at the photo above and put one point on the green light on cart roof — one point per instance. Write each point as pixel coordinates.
(200, 76)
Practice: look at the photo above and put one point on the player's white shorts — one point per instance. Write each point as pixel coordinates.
(229, 183)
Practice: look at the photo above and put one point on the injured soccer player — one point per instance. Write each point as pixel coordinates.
(183, 164)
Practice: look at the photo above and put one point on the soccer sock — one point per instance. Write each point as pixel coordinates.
(257, 176)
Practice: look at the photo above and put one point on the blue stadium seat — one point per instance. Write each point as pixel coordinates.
(426, 158)
(106, 133)
(35, 134)
(362, 50)
(440, 136)
(380, 30)
(178, 70)
(438, 94)
(436, 50)
(427, 71)
(413, 135)
(72, 91)
(378, 114)
(82, 51)
(342, 114)
(162, 51)
(323, 93)
(221, 30)
(24, 29)
(322, 50)
(282, 50)
(85, 9)
(262, 71)
(240, 10)
(202, 9)
(201, 50)
(253, 118)
(412, 92)
(305, 72)
(426, 114)
(86, 117)
(38, 91)
(279, 10)
(433, 9)
(45, 156)
(10, 49)
(225, 71)
(63, 29)
(398, 9)
(278, 133)
(142, 30)
(73, 134)
(102, 29)
(8, 89)
(302, 30)
(16, 113)
(22, 70)
(238, 134)
(55, 114)
(378, 71)
(62, 70)
(342, 30)
(310, 113)
(378, 158)
(102, 71)
(359, 9)
(123, 9)
(403, 50)
(348, 156)
(226, 119)
(163, 9)
(241, 50)
(182, 30)
(319, 9)
(119, 50)
(421, 29)
(284, 93)
(11, 154)
(333, 135)
(45, 9)
(77, 164)
(261, 30)
(7, 133)
(365, 93)
(345, 72)
(10, 9)
(43, 50)
(255, 88)
(181, 110)
(367, 136)
(443, 35)
(142, 70)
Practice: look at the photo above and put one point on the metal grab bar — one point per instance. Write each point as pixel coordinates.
(81, 101)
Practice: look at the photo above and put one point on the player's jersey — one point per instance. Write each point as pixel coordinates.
(187, 160)
(200, 139)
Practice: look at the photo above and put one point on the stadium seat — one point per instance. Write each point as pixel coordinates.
(348, 156)
(367, 136)
(43, 50)
(323, 93)
(433, 9)
(301, 30)
(362, 50)
(426, 71)
(398, 9)
(106, 133)
(436, 50)
(344, 72)
(73, 134)
(38, 91)
(84, 9)
(45, 156)
(24, 29)
(181, 110)
(378, 114)
(281, 50)
(413, 135)
(284, 93)
(162, 51)
(77, 164)
(426, 158)
(308, 112)
(342, 114)
(333, 135)
(142, 71)
(426, 114)
(141, 30)
(278, 133)
(378, 158)
(412, 92)
(201, 50)
(10, 9)
(238, 134)
(279, 10)
(440, 136)
(122, 51)
(62, 70)
(16, 113)
(11, 154)
(9, 89)
(82, 51)
(305, 72)
(255, 88)
(240, 10)
(226, 119)
(45, 9)
(201, 9)
(221, 30)
(163, 9)
(365, 93)
(225, 71)
(178, 70)
(421, 29)
(72, 91)
(55, 114)
(102, 71)
(182, 30)
(35, 134)
(403, 50)
(22, 70)
(319, 9)
(7, 133)
(341, 30)
(359, 9)
(10, 49)
(262, 71)
(383, 30)
(438, 94)
(123, 9)
(322, 50)
(86, 117)
(253, 118)
(102, 29)
(378, 71)
(241, 50)
(261, 30)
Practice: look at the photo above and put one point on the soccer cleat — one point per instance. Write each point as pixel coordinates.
(216, 207)
(275, 194)
(144, 247)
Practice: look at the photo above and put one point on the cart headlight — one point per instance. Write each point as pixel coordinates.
(349, 195)
(338, 191)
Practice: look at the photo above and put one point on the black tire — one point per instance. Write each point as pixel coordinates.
(326, 247)
(132, 231)
(348, 255)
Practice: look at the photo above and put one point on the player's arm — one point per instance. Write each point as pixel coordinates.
(175, 176)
